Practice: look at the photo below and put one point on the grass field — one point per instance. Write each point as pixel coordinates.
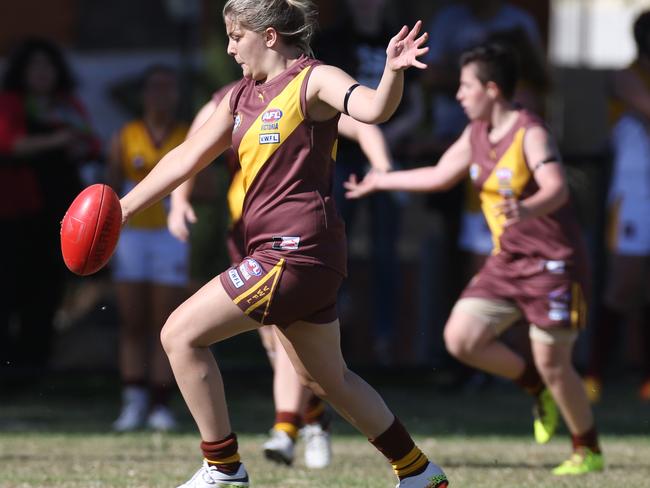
(56, 435)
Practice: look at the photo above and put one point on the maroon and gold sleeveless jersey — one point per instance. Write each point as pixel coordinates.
(140, 152)
(499, 170)
(287, 163)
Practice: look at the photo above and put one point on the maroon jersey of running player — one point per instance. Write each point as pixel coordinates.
(287, 163)
(500, 170)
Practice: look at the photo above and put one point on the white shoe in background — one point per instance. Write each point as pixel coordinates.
(161, 419)
(135, 403)
(279, 448)
(318, 446)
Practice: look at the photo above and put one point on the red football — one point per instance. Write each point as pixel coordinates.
(90, 229)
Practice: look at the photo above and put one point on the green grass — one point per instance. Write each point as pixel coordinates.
(56, 435)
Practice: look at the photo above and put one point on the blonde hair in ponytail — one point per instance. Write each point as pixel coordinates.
(294, 20)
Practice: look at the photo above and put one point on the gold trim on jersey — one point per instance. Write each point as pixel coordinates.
(262, 293)
(235, 196)
(512, 163)
(253, 154)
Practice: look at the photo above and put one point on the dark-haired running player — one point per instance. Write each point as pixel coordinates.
(538, 268)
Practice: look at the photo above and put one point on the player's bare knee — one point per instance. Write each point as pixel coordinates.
(167, 339)
(458, 345)
(170, 336)
(453, 341)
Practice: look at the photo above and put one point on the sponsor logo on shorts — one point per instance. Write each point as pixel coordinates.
(558, 315)
(244, 273)
(558, 304)
(273, 138)
(235, 278)
(249, 267)
(286, 243)
(555, 266)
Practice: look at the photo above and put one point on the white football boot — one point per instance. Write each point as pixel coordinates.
(318, 446)
(210, 477)
(432, 477)
(279, 448)
(161, 419)
(135, 403)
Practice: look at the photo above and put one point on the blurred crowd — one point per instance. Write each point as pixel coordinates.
(410, 256)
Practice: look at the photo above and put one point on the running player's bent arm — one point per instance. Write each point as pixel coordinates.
(451, 168)
(544, 161)
(371, 141)
(182, 162)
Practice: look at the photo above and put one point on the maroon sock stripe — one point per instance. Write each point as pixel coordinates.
(394, 443)
(589, 440)
(222, 454)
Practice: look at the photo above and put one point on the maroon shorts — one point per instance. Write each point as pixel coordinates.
(549, 293)
(272, 288)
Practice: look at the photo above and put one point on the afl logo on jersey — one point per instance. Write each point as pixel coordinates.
(474, 171)
(250, 267)
(272, 115)
(237, 122)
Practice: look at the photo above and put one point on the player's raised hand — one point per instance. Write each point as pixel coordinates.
(359, 189)
(404, 49)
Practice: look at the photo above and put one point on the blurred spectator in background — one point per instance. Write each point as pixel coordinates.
(626, 287)
(150, 265)
(358, 46)
(44, 136)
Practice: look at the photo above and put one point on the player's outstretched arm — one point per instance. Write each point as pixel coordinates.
(182, 162)
(451, 168)
(335, 88)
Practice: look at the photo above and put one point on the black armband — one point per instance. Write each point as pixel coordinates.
(347, 98)
(549, 159)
